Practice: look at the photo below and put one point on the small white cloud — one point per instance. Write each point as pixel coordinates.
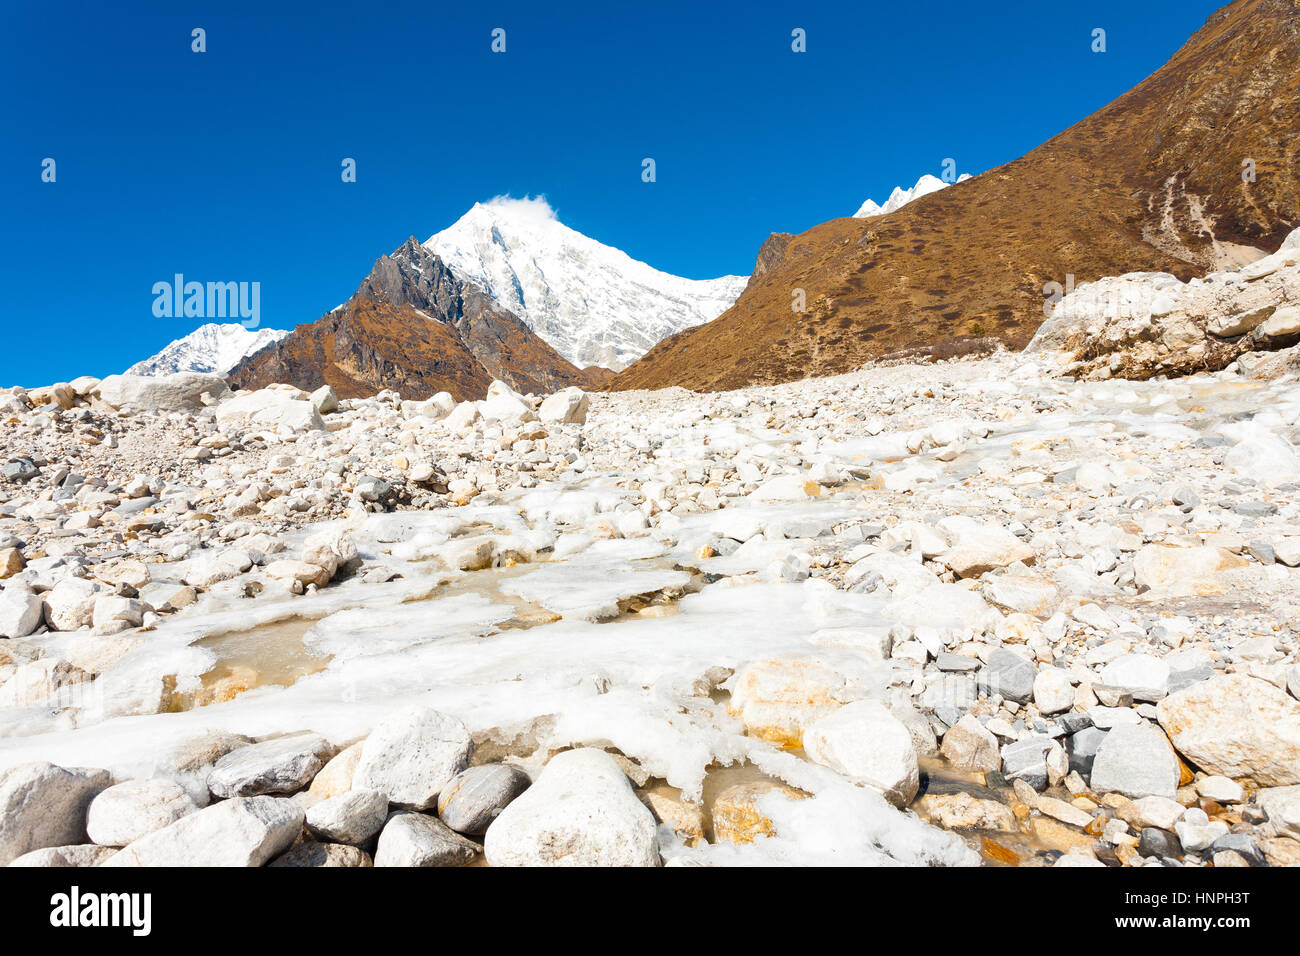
(535, 209)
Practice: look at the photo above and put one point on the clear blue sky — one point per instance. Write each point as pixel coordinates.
(225, 165)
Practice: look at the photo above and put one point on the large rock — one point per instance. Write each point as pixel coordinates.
(865, 741)
(983, 547)
(352, 817)
(128, 811)
(1184, 572)
(1027, 593)
(415, 839)
(568, 407)
(412, 754)
(209, 569)
(70, 604)
(1137, 761)
(1237, 726)
(476, 797)
(42, 805)
(1143, 676)
(778, 697)
(21, 612)
(182, 391)
(246, 831)
(504, 404)
(271, 409)
(282, 765)
(581, 811)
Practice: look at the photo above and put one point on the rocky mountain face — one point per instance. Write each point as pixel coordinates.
(415, 327)
(1195, 169)
(595, 305)
(216, 347)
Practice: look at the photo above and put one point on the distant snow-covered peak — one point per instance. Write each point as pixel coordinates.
(592, 303)
(216, 348)
(900, 197)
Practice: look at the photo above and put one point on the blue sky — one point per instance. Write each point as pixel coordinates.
(225, 165)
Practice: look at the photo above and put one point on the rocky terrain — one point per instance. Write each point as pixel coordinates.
(949, 613)
(1143, 324)
(1191, 171)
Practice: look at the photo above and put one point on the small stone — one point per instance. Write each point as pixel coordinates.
(969, 746)
(1026, 760)
(737, 817)
(1220, 790)
(1159, 812)
(21, 612)
(1053, 691)
(1159, 843)
(1008, 674)
(76, 855)
(325, 855)
(11, 562)
(412, 754)
(280, 765)
(476, 796)
(1141, 675)
(962, 811)
(352, 817)
(128, 811)
(1060, 810)
(416, 839)
(1136, 761)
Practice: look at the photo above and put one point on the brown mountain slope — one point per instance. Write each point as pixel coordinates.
(414, 327)
(1152, 182)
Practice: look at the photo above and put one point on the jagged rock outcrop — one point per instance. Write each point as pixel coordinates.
(1144, 324)
(412, 326)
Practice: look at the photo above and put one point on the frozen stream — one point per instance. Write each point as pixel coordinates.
(541, 629)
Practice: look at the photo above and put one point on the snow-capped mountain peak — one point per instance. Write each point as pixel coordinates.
(216, 347)
(900, 197)
(592, 303)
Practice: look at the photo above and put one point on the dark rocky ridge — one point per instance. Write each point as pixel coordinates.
(414, 327)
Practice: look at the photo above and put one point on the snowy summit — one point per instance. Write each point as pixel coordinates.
(216, 347)
(900, 197)
(593, 304)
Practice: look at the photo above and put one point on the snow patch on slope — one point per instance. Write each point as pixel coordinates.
(592, 303)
